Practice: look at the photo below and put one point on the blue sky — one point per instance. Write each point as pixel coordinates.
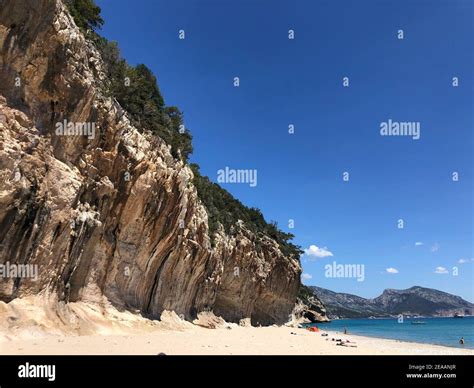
(337, 128)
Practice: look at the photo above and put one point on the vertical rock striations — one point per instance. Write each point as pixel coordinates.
(113, 214)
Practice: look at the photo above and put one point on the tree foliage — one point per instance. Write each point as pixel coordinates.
(86, 14)
(137, 91)
(223, 208)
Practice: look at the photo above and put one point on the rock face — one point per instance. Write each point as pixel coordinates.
(111, 214)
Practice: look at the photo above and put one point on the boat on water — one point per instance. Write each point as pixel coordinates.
(418, 322)
(456, 315)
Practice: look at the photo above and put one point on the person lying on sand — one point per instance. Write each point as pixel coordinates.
(348, 342)
(346, 345)
(341, 340)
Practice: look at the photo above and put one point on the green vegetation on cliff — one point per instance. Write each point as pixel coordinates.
(137, 91)
(223, 208)
(305, 293)
(86, 14)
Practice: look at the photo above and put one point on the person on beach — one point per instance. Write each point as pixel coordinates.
(345, 330)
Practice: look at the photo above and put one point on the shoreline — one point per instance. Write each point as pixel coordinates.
(338, 330)
(196, 340)
(397, 340)
(402, 341)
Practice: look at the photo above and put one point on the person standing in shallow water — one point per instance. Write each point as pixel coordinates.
(461, 341)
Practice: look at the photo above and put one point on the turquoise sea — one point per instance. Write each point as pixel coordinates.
(440, 331)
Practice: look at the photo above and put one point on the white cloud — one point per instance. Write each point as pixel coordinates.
(418, 243)
(317, 253)
(464, 261)
(434, 247)
(306, 276)
(441, 270)
(391, 270)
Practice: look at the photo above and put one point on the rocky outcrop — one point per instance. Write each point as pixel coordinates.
(110, 213)
(309, 307)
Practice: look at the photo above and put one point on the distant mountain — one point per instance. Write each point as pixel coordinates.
(412, 301)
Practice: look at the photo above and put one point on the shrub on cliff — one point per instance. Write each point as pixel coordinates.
(86, 14)
(135, 88)
(223, 208)
(137, 91)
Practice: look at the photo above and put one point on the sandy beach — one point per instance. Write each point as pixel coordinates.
(42, 326)
(235, 341)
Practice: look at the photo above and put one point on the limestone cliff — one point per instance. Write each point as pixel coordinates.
(113, 214)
